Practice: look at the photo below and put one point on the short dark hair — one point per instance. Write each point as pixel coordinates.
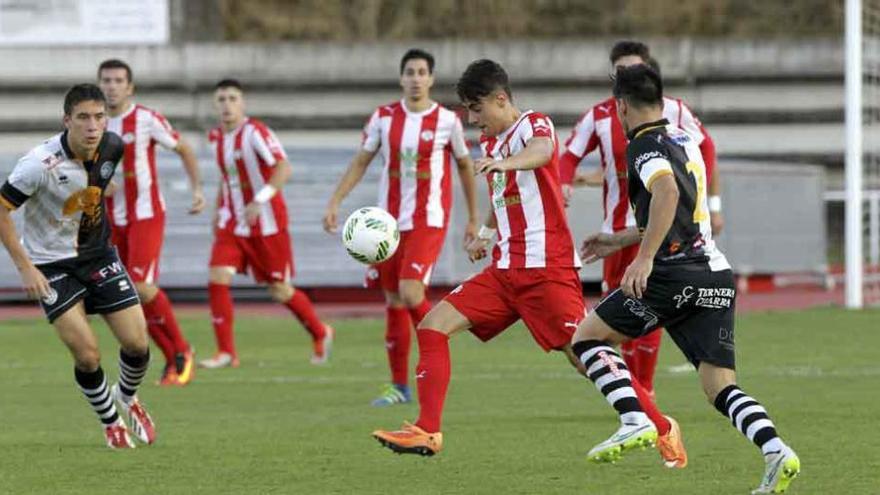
(639, 85)
(655, 65)
(629, 47)
(417, 54)
(115, 63)
(81, 93)
(480, 79)
(229, 83)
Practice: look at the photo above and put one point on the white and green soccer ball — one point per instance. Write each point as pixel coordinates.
(370, 235)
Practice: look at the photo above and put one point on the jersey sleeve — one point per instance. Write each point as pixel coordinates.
(457, 142)
(162, 132)
(692, 125)
(25, 179)
(580, 143)
(372, 136)
(538, 126)
(648, 159)
(267, 145)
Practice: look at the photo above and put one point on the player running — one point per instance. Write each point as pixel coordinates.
(137, 209)
(678, 280)
(416, 137)
(533, 276)
(250, 225)
(600, 129)
(67, 262)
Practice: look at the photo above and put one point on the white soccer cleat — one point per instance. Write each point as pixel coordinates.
(117, 436)
(627, 437)
(781, 469)
(220, 360)
(141, 423)
(321, 348)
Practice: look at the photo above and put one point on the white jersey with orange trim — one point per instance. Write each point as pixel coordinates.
(528, 207)
(416, 184)
(246, 157)
(138, 197)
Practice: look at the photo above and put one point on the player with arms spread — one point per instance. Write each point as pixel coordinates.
(533, 275)
(416, 137)
(250, 225)
(137, 209)
(67, 262)
(678, 280)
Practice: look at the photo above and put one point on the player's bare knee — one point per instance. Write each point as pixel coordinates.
(146, 291)
(280, 292)
(412, 296)
(87, 358)
(220, 275)
(394, 300)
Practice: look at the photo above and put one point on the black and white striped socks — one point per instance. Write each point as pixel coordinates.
(132, 370)
(609, 373)
(749, 417)
(94, 387)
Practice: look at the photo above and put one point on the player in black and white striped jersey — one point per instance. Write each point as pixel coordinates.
(66, 260)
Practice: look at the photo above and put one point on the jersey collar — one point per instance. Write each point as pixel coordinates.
(634, 133)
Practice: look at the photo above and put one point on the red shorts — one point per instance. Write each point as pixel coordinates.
(414, 260)
(548, 300)
(140, 245)
(268, 258)
(615, 265)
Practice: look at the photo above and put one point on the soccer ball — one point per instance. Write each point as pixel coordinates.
(370, 235)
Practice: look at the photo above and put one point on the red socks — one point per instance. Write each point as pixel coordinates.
(158, 334)
(432, 377)
(301, 306)
(159, 311)
(418, 313)
(398, 337)
(640, 356)
(650, 408)
(220, 299)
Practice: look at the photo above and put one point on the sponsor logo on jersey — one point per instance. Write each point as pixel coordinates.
(427, 135)
(63, 179)
(644, 157)
(606, 109)
(106, 170)
(128, 138)
(409, 161)
(88, 201)
(55, 278)
(114, 268)
(725, 337)
(52, 161)
(637, 308)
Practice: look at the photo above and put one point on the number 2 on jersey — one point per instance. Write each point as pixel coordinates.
(699, 173)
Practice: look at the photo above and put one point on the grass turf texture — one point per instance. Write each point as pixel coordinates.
(517, 420)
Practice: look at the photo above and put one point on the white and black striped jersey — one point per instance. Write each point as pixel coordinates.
(657, 149)
(63, 199)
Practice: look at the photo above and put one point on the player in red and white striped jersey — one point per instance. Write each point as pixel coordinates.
(533, 276)
(417, 138)
(600, 129)
(137, 209)
(250, 224)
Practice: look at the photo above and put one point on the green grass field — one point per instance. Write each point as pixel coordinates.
(517, 420)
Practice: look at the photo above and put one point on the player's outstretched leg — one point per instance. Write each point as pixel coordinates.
(748, 416)
(302, 308)
(94, 387)
(398, 338)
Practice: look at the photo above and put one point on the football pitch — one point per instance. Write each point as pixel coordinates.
(517, 420)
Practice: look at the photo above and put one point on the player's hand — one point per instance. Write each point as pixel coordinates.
(110, 190)
(487, 165)
(478, 249)
(252, 212)
(198, 202)
(567, 189)
(35, 283)
(635, 279)
(470, 232)
(330, 224)
(716, 219)
(598, 246)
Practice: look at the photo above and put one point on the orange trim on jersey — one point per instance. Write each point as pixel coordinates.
(646, 129)
(656, 175)
(9, 206)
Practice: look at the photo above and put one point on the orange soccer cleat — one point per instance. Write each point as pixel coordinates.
(169, 376)
(671, 447)
(410, 439)
(187, 369)
(321, 347)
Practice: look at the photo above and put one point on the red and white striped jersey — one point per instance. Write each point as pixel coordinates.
(139, 197)
(528, 208)
(416, 184)
(246, 156)
(600, 128)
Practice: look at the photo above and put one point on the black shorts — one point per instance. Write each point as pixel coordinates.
(99, 280)
(693, 303)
